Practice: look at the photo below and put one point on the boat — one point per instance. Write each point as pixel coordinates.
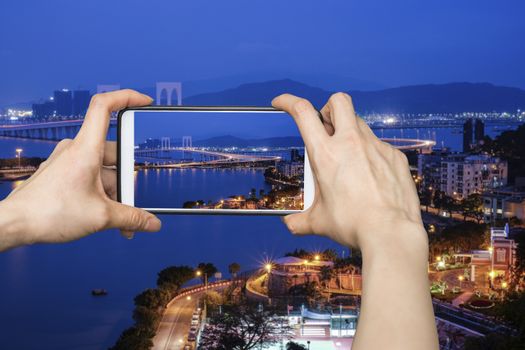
(99, 292)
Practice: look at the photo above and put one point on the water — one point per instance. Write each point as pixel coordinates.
(45, 299)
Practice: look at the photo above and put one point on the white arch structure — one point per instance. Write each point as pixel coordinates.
(169, 87)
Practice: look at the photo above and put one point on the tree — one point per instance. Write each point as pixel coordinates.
(134, 338)
(207, 268)
(234, 268)
(242, 327)
(472, 206)
(294, 346)
(152, 298)
(174, 277)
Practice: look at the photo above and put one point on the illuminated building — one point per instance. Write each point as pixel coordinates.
(63, 102)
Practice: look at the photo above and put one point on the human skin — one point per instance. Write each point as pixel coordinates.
(72, 194)
(365, 198)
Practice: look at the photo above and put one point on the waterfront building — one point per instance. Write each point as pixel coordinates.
(458, 175)
(290, 169)
(63, 102)
(504, 203)
(291, 271)
(463, 175)
(473, 133)
(43, 110)
(80, 102)
(496, 262)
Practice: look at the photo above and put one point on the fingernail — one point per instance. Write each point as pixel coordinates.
(130, 235)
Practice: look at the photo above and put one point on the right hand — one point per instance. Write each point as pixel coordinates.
(363, 186)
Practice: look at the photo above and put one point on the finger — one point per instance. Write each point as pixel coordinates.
(95, 127)
(109, 182)
(340, 111)
(110, 153)
(132, 219)
(327, 120)
(127, 234)
(298, 223)
(305, 116)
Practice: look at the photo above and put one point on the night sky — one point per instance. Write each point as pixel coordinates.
(203, 125)
(45, 45)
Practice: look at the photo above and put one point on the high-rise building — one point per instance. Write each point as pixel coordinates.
(80, 102)
(463, 175)
(473, 133)
(43, 110)
(295, 156)
(467, 135)
(459, 175)
(64, 102)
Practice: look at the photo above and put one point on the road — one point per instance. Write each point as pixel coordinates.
(175, 323)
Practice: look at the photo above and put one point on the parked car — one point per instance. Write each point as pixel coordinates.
(192, 336)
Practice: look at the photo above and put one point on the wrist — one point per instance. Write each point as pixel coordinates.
(13, 231)
(399, 242)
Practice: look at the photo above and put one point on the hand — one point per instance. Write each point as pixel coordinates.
(366, 198)
(72, 194)
(363, 186)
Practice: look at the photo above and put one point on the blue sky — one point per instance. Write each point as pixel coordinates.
(51, 44)
(203, 125)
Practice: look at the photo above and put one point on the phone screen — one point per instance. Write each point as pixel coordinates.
(218, 160)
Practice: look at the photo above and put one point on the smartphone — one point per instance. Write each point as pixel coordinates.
(212, 160)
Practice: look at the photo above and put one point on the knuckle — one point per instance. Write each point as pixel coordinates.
(98, 100)
(301, 106)
(340, 98)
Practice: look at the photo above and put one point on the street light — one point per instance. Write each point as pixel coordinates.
(268, 267)
(19, 155)
(460, 278)
(317, 257)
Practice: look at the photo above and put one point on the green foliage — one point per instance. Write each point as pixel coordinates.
(152, 298)
(174, 277)
(461, 237)
(242, 327)
(207, 268)
(294, 346)
(134, 338)
(509, 145)
(234, 268)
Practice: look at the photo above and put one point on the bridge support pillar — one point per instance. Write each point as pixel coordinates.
(54, 134)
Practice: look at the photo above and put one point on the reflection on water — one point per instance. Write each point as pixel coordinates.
(45, 298)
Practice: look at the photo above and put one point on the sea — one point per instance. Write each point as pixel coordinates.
(45, 289)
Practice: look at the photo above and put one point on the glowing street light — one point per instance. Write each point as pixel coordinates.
(268, 267)
(460, 278)
(317, 257)
(441, 264)
(504, 285)
(492, 274)
(19, 155)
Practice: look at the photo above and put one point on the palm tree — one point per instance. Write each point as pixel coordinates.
(234, 268)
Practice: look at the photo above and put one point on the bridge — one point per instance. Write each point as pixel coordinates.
(49, 130)
(209, 158)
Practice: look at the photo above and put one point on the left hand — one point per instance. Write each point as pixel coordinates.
(73, 193)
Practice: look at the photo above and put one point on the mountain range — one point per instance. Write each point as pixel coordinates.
(429, 98)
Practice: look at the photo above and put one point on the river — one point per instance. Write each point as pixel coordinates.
(45, 300)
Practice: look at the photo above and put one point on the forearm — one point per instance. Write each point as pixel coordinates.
(12, 232)
(396, 308)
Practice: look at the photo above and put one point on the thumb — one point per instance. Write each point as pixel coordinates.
(298, 223)
(131, 219)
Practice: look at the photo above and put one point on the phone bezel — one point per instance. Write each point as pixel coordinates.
(309, 189)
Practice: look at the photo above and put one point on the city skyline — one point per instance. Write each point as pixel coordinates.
(478, 43)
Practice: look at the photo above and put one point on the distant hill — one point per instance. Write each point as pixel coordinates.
(431, 98)
(229, 140)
